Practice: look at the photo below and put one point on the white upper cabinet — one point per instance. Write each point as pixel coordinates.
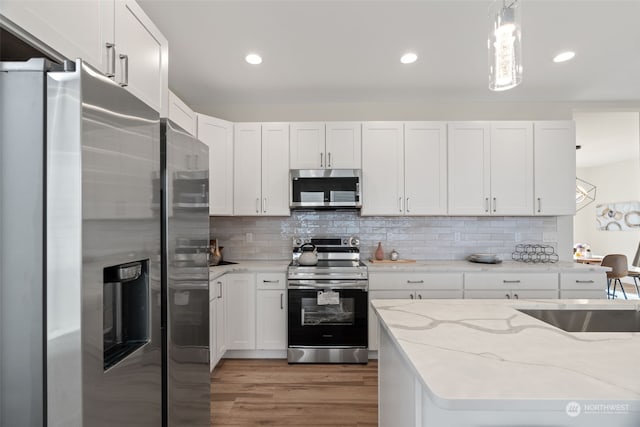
(116, 37)
(181, 114)
(218, 135)
(141, 56)
(490, 168)
(382, 168)
(404, 168)
(334, 145)
(425, 168)
(307, 145)
(554, 168)
(343, 145)
(78, 29)
(261, 172)
(468, 168)
(511, 168)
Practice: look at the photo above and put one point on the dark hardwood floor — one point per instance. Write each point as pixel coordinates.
(273, 393)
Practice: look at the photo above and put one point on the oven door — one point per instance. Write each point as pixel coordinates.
(327, 314)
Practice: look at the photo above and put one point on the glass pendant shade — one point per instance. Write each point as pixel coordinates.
(505, 45)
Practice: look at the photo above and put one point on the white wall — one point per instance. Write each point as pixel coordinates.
(615, 182)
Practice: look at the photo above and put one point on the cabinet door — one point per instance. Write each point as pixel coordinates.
(271, 320)
(218, 135)
(74, 29)
(213, 315)
(468, 168)
(425, 168)
(221, 318)
(307, 146)
(511, 168)
(275, 169)
(182, 115)
(141, 55)
(554, 168)
(382, 168)
(343, 145)
(247, 169)
(240, 305)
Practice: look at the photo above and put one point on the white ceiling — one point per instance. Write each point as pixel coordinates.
(348, 51)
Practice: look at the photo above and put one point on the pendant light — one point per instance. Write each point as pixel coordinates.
(505, 45)
(585, 193)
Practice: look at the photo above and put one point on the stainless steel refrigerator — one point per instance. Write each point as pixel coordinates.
(82, 291)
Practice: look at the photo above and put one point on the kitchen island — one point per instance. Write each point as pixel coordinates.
(484, 363)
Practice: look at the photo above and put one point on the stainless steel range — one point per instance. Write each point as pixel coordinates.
(327, 303)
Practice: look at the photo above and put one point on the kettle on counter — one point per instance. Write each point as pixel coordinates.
(309, 255)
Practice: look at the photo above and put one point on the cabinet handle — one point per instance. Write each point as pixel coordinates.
(507, 296)
(584, 281)
(281, 303)
(187, 161)
(219, 289)
(419, 296)
(400, 204)
(539, 204)
(415, 281)
(511, 281)
(124, 63)
(515, 296)
(195, 162)
(271, 281)
(321, 159)
(408, 203)
(204, 191)
(329, 160)
(111, 60)
(264, 205)
(258, 205)
(486, 204)
(494, 204)
(410, 296)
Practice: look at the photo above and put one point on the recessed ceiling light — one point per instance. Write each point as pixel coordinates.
(408, 58)
(253, 59)
(564, 56)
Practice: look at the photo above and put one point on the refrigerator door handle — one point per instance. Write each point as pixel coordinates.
(111, 60)
(124, 64)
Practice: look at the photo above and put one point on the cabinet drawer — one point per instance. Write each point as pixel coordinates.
(415, 281)
(511, 294)
(511, 281)
(594, 281)
(583, 294)
(271, 280)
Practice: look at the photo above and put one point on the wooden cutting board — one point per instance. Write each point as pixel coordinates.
(388, 261)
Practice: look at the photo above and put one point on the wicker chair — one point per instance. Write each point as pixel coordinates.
(619, 269)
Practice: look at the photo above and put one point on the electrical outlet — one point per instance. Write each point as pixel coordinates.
(249, 237)
(456, 236)
(518, 236)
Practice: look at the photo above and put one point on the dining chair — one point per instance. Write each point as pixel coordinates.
(635, 275)
(619, 269)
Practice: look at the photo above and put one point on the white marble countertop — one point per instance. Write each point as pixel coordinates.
(474, 354)
(277, 266)
(469, 267)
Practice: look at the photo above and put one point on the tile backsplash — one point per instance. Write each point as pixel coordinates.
(420, 238)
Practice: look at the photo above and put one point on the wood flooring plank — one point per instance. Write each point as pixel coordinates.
(250, 392)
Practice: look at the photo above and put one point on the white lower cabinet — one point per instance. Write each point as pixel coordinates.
(589, 285)
(271, 311)
(409, 286)
(511, 285)
(217, 310)
(240, 315)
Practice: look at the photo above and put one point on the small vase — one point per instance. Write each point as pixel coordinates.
(216, 256)
(379, 252)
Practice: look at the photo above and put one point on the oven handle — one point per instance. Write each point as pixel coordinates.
(296, 284)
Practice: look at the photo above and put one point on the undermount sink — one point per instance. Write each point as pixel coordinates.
(589, 320)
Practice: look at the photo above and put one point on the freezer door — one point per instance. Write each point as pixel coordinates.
(104, 169)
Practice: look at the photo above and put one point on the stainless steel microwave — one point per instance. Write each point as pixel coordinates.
(325, 188)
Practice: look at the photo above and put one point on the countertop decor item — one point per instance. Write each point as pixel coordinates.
(484, 258)
(394, 255)
(379, 252)
(216, 255)
(535, 253)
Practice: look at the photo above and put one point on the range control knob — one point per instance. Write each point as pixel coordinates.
(354, 241)
(297, 241)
